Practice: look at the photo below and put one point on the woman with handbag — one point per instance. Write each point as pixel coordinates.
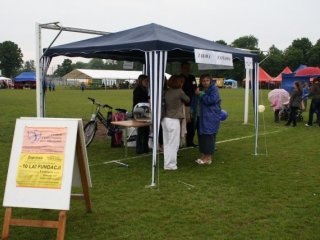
(294, 103)
(174, 99)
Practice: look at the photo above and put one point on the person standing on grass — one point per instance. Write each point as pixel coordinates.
(305, 94)
(315, 102)
(207, 107)
(174, 99)
(189, 88)
(294, 103)
(82, 86)
(140, 95)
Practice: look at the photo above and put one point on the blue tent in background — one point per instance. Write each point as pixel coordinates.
(26, 76)
(230, 83)
(300, 67)
(25, 80)
(289, 79)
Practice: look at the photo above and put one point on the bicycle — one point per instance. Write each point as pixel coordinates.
(91, 127)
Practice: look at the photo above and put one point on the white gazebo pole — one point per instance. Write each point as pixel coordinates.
(248, 66)
(256, 109)
(246, 97)
(39, 66)
(39, 88)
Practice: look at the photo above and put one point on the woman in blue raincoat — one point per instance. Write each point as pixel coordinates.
(206, 109)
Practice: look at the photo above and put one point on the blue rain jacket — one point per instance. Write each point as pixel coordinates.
(210, 110)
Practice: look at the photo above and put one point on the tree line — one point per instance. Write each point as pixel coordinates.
(301, 51)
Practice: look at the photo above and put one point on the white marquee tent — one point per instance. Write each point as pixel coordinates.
(108, 77)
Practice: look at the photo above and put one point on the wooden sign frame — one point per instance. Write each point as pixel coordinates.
(81, 165)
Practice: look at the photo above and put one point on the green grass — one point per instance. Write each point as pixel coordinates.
(240, 196)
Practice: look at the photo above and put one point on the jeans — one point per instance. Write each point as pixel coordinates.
(314, 107)
(293, 116)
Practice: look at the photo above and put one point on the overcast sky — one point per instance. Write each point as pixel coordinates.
(276, 22)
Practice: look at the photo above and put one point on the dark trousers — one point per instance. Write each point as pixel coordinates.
(293, 116)
(276, 115)
(314, 108)
(142, 140)
(190, 132)
(160, 137)
(207, 143)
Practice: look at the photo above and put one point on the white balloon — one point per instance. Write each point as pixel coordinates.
(261, 108)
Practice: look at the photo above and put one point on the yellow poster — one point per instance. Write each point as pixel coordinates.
(42, 157)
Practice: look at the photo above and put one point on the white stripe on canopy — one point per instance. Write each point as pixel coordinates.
(156, 62)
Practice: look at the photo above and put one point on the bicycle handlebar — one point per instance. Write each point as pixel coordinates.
(106, 106)
(92, 99)
(99, 104)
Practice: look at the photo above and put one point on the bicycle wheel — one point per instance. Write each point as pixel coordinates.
(90, 131)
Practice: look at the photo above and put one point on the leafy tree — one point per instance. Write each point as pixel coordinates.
(105, 64)
(274, 64)
(64, 68)
(303, 44)
(96, 63)
(80, 65)
(10, 58)
(293, 57)
(138, 66)
(246, 42)
(113, 65)
(175, 68)
(314, 56)
(29, 66)
(221, 42)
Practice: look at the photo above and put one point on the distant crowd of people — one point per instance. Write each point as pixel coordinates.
(298, 102)
(187, 108)
(49, 85)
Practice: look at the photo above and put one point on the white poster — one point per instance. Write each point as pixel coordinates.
(42, 163)
(212, 59)
(248, 63)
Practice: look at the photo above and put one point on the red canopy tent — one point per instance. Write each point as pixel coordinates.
(264, 76)
(308, 71)
(279, 77)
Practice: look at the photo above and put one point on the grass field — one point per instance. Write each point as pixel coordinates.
(274, 195)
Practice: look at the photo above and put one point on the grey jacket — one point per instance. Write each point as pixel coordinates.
(314, 91)
(174, 100)
(295, 98)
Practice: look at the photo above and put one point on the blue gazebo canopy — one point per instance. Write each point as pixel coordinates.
(26, 76)
(132, 44)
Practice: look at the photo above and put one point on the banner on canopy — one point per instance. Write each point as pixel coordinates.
(212, 60)
(127, 65)
(248, 63)
(202, 66)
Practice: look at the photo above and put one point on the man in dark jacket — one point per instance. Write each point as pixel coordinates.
(140, 95)
(189, 87)
(314, 94)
